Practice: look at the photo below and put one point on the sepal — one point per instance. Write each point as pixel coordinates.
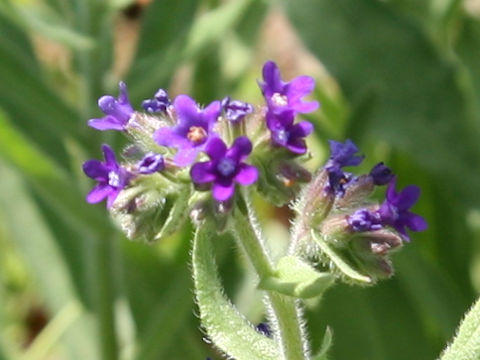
(294, 277)
(151, 209)
(326, 345)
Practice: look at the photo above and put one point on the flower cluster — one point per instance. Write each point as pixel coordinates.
(190, 148)
(183, 151)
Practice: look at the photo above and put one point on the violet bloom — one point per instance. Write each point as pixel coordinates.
(194, 127)
(395, 210)
(117, 111)
(159, 103)
(364, 220)
(225, 168)
(286, 96)
(287, 134)
(381, 174)
(235, 110)
(341, 155)
(111, 177)
(151, 163)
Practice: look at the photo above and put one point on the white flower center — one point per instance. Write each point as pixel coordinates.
(279, 99)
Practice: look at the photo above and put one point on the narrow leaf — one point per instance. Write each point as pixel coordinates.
(340, 263)
(466, 345)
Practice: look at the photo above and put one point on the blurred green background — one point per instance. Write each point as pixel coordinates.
(399, 77)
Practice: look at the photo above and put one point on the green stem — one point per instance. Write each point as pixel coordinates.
(283, 309)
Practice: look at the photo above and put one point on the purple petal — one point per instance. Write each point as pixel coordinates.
(95, 170)
(186, 109)
(415, 222)
(273, 81)
(306, 107)
(111, 197)
(216, 148)
(108, 122)
(280, 120)
(408, 197)
(123, 96)
(202, 173)
(109, 156)
(98, 193)
(211, 113)
(302, 129)
(391, 194)
(297, 146)
(167, 136)
(186, 156)
(247, 174)
(223, 192)
(240, 149)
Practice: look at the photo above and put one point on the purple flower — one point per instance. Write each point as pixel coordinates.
(194, 128)
(286, 96)
(287, 134)
(111, 177)
(381, 174)
(225, 168)
(159, 103)
(151, 163)
(364, 220)
(235, 110)
(117, 111)
(395, 210)
(341, 155)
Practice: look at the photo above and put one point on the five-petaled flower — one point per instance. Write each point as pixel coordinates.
(341, 155)
(287, 134)
(225, 168)
(284, 96)
(111, 177)
(193, 130)
(117, 111)
(395, 210)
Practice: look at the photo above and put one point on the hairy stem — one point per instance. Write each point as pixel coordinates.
(284, 311)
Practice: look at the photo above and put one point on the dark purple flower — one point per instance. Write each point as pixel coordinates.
(159, 103)
(286, 96)
(364, 220)
(225, 168)
(341, 155)
(235, 110)
(117, 111)
(193, 129)
(381, 174)
(395, 209)
(151, 163)
(111, 177)
(287, 134)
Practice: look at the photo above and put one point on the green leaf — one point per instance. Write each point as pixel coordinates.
(326, 344)
(224, 325)
(296, 278)
(343, 266)
(466, 345)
